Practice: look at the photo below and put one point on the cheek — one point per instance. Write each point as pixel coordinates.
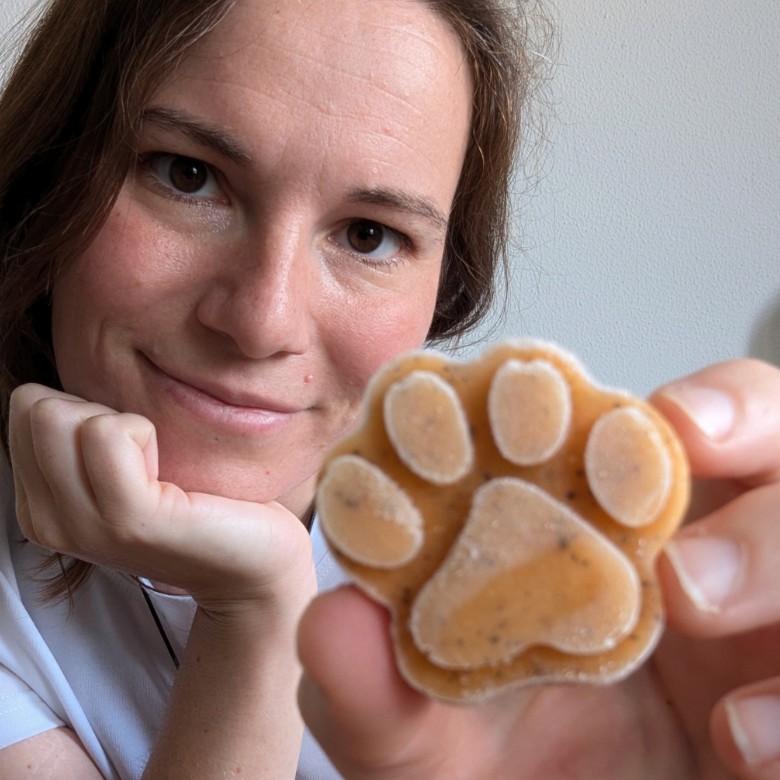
(132, 258)
(80, 303)
(106, 294)
(383, 330)
(101, 283)
(128, 268)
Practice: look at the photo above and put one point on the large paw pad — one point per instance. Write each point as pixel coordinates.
(509, 513)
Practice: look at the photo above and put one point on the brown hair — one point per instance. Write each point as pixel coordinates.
(505, 43)
(70, 111)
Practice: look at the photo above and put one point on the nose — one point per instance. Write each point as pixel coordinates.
(260, 296)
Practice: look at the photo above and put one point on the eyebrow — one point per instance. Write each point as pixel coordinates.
(199, 131)
(401, 201)
(223, 143)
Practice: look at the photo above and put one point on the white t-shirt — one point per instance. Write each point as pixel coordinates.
(60, 664)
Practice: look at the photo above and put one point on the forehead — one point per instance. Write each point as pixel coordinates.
(366, 35)
(386, 66)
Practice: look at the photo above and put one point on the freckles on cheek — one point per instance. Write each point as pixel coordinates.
(384, 336)
(134, 254)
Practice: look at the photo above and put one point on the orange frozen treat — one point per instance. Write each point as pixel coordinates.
(508, 511)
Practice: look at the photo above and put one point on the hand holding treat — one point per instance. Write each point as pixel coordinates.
(509, 512)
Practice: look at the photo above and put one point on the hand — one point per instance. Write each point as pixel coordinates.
(722, 573)
(86, 486)
(685, 715)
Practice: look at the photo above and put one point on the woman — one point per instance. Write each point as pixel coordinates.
(224, 219)
(244, 209)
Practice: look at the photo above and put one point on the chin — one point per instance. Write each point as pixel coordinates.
(257, 483)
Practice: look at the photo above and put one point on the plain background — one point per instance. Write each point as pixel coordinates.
(647, 237)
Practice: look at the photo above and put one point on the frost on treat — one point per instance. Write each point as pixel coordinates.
(509, 513)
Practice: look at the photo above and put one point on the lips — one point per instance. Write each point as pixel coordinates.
(219, 402)
(235, 397)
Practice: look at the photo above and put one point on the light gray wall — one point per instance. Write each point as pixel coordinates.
(12, 14)
(652, 244)
(653, 241)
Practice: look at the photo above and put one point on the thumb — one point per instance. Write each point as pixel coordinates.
(352, 697)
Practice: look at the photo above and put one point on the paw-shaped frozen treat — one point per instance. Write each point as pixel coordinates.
(509, 512)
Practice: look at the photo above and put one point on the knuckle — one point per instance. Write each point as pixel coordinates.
(107, 427)
(41, 531)
(46, 415)
(24, 395)
(99, 428)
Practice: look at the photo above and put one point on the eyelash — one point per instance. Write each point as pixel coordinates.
(147, 160)
(406, 245)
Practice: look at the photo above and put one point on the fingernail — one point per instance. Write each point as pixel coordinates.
(711, 411)
(708, 568)
(755, 726)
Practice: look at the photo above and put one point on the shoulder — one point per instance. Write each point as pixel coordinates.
(53, 753)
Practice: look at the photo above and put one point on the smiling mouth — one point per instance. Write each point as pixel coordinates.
(220, 404)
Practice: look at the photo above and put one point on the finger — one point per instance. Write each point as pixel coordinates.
(119, 454)
(80, 464)
(54, 431)
(67, 504)
(100, 467)
(745, 730)
(352, 696)
(31, 488)
(728, 417)
(24, 397)
(720, 574)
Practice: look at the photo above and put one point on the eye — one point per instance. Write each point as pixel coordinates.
(185, 176)
(371, 239)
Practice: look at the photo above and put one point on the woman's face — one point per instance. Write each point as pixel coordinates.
(280, 237)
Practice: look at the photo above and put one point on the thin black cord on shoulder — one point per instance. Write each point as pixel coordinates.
(160, 628)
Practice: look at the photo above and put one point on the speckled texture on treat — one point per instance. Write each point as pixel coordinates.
(509, 512)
